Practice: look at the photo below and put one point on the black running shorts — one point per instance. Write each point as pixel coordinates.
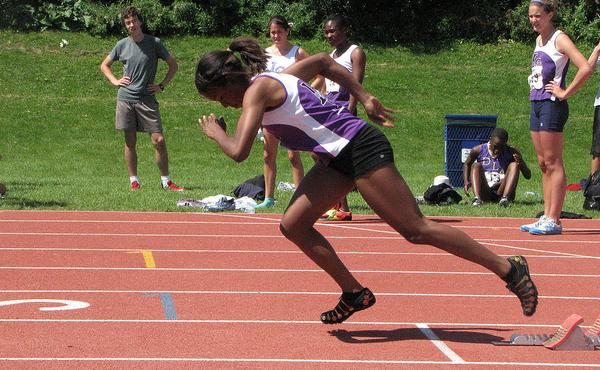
(368, 150)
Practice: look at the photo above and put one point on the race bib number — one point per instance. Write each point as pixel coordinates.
(535, 80)
(493, 178)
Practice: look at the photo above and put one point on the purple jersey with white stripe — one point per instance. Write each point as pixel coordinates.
(307, 121)
(491, 164)
(547, 64)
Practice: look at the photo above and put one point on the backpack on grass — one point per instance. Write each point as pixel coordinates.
(591, 192)
(441, 194)
(253, 188)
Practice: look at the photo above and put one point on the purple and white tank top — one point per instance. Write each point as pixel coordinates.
(547, 64)
(307, 121)
(494, 164)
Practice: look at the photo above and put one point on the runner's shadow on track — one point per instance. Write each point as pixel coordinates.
(462, 335)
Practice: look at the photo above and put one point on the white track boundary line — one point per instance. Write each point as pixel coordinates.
(441, 325)
(264, 251)
(541, 240)
(215, 269)
(266, 221)
(452, 356)
(226, 214)
(279, 236)
(149, 222)
(242, 292)
(544, 251)
(291, 360)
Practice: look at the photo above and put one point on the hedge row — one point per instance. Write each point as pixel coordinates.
(376, 21)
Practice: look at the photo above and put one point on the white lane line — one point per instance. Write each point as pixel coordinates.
(279, 236)
(214, 269)
(265, 221)
(292, 360)
(145, 235)
(149, 222)
(452, 356)
(244, 292)
(279, 322)
(277, 251)
(136, 235)
(541, 251)
(541, 240)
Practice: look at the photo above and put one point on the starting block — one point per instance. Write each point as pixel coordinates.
(568, 337)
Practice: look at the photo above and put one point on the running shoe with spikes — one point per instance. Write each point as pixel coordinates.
(522, 286)
(348, 304)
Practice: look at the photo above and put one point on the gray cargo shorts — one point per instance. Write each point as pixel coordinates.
(141, 116)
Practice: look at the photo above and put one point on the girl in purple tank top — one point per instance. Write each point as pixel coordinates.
(553, 52)
(355, 156)
(493, 170)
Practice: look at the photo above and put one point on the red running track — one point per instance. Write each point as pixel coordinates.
(193, 290)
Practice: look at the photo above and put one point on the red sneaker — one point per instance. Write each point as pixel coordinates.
(172, 187)
(337, 215)
(135, 185)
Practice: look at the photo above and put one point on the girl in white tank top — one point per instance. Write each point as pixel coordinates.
(352, 58)
(281, 54)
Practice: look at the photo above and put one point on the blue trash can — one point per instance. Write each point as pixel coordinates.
(461, 133)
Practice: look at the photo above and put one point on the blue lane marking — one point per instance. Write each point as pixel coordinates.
(168, 306)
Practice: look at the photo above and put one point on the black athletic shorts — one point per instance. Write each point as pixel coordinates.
(368, 150)
(595, 152)
(548, 115)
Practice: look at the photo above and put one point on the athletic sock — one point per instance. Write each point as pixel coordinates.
(351, 296)
(511, 274)
(164, 180)
(132, 179)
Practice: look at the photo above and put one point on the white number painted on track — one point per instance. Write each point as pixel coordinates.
(64, 304)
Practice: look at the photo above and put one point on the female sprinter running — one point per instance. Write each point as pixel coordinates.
(352, 153)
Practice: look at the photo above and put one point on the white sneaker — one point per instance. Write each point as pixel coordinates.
(548, 227)
(533, 225)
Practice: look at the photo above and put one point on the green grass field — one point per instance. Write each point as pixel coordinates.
(60, 150)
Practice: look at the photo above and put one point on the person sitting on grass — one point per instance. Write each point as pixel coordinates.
(352, 153)
(493, 170)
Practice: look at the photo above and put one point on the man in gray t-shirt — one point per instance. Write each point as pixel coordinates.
(137, 108)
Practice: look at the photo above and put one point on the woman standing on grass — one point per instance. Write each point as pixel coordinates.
(281, 54)
(549, 108)
(351, 153)
(353, 58)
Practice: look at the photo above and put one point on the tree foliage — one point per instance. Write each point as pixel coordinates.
(376, 21)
